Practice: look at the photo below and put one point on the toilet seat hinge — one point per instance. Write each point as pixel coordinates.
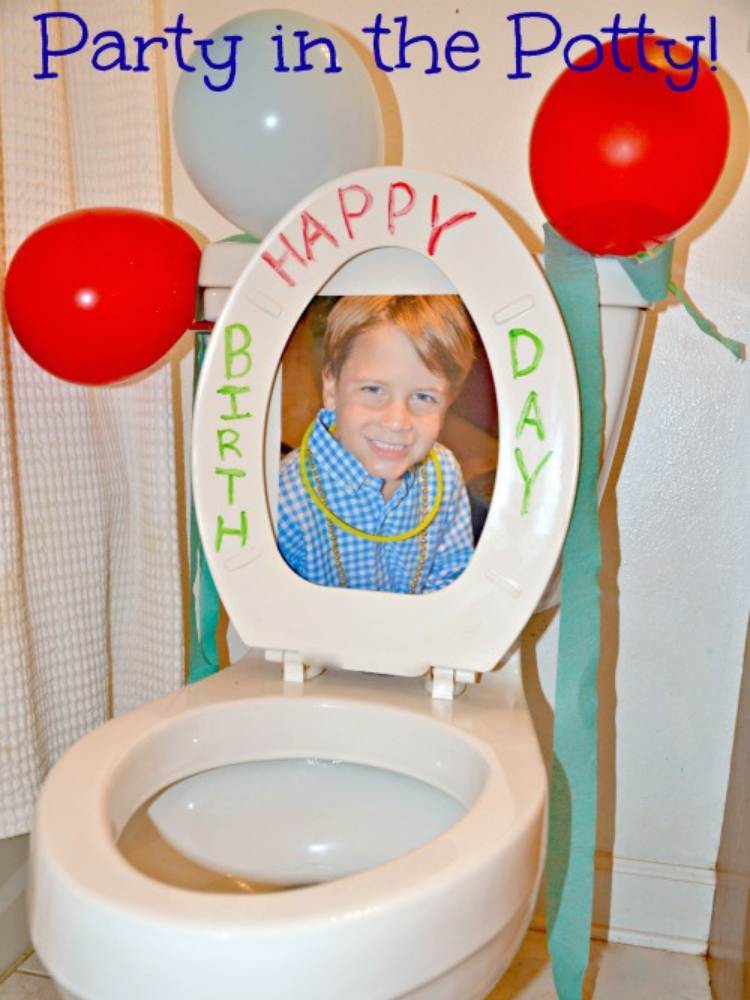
(294, 670)
(446, 684)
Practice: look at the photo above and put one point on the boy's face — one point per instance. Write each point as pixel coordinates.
(389, 406)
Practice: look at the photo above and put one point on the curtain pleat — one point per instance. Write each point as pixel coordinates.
(91, 615)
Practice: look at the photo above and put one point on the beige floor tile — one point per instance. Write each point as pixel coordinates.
(21, 986)
(616, 972)
(626, 972)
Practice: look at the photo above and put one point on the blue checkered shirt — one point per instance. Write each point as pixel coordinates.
(357, 498)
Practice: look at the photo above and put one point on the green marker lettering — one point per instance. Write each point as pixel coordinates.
(222, 531)
(233, 391)
(528, 480)
(514, 336)
(231, 475)
(231, 445)
(231, 351)
(531, 406)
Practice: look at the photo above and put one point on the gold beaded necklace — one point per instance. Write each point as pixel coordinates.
(317, 495)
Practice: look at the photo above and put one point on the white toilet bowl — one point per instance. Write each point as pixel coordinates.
(441, 921)
(381, 910)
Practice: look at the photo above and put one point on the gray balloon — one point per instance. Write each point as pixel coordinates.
(258, 146)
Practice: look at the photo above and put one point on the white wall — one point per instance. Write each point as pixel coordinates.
(677, 529)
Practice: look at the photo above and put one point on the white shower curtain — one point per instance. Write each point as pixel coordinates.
(91, 609)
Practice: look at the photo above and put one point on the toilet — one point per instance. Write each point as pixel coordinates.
(368, 778)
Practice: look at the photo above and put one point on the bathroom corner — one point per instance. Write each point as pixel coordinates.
(15, 941)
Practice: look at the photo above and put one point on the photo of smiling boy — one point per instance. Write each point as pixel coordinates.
(370, 499)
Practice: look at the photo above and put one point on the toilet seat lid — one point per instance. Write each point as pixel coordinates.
(469, 625)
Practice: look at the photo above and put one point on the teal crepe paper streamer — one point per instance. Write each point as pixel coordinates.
(650, 273)
(204, 598)
(573, 787)
(241, 238)
(736, 348)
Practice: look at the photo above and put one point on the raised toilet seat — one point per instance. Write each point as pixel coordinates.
(437, 921)
(469, 625)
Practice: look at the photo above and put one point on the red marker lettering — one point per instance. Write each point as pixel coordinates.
(393, 213)
(438, 228)
(350, 213)
(277, 263)
(312, 230)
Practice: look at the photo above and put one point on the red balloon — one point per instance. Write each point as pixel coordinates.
(100, 294)
(620, 161)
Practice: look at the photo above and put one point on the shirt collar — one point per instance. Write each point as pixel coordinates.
(335, 461)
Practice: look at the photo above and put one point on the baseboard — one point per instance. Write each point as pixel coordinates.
(650, 904)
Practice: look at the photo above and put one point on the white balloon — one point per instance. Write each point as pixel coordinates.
(255, 149)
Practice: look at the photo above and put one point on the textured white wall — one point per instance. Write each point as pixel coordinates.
(674, 638)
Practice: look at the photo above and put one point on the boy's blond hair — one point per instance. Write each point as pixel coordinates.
(438, 326)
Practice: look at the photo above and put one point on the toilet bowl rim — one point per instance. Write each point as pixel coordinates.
(362, 908)
(84, 851)
(103, 750)
(117, 888)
